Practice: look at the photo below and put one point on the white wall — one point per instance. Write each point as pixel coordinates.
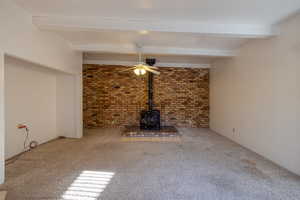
(65, 105)
(20, 38)
(2, 116)
(258, 94)
(30, 98)
(69, 118)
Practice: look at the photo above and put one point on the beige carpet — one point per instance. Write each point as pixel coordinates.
(100, 166)
(2, 195)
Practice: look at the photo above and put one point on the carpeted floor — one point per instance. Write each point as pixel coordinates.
(202, 166)
(2, 195)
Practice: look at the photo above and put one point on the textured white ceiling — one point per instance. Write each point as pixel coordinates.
(219, 11)
(161, 60)
(159, 39)
(177, 30)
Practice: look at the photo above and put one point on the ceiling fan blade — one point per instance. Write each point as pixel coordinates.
(139, 65)
(131, 68)
(145, 65)
(152, 67)
(151, 70)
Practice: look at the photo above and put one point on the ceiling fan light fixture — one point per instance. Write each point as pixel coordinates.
(143, 32)
(139, 71)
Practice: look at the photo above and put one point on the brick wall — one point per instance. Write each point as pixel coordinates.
(112, 98)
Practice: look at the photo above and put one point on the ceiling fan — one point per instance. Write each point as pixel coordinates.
(141, 68)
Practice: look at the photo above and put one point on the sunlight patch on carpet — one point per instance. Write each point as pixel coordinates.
(88, 185)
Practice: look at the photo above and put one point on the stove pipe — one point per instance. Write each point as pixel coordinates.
(150, 62)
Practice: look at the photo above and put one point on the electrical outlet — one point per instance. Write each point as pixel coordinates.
(233, 132)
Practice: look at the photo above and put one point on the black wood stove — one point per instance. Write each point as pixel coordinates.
(150, 119)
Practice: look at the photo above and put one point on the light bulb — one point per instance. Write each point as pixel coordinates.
(142, 71)
(139, 71)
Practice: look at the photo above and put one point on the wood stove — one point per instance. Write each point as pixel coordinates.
(150, 119)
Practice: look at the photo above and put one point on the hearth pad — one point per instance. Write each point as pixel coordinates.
(176, 139)
(164, 132)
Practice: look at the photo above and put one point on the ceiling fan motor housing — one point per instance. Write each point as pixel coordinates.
(150, 61)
